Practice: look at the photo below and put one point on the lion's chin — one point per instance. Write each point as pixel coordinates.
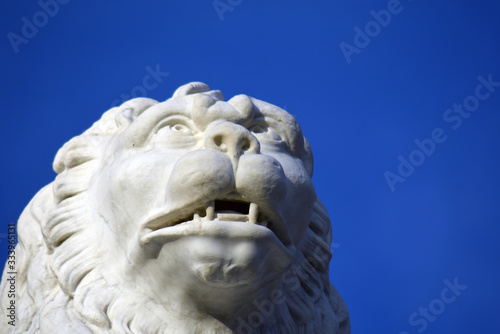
(219, 254)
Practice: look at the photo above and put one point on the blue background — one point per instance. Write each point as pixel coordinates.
(392, 249)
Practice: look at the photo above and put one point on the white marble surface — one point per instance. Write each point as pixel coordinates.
(192, 215)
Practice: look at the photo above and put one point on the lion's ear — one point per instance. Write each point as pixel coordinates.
(191, 88)
(130, 110)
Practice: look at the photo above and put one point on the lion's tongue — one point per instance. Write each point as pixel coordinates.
(231, 215)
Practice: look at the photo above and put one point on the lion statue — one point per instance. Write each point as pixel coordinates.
(193, 215)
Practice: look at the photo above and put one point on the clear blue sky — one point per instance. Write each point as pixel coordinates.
(365, 79)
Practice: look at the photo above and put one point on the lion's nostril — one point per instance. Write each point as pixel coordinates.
(218, 140)
(245, 146)
(220, 143)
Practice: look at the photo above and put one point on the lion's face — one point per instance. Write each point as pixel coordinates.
(211, 190)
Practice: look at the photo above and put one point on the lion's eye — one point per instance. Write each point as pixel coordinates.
(265, 133)
(174, 129)
(180, 128)
(175, 132)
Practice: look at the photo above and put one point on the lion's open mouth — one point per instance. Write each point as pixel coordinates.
(218, 210)
(225, 210)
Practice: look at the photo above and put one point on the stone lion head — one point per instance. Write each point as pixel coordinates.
(192, 215)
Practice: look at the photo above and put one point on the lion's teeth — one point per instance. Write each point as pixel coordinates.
(210, 210)
(196, 217)
(253, 213)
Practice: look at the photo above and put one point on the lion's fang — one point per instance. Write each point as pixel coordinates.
(253, 213)
(210, 210)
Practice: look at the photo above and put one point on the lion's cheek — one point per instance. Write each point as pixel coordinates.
(128, 191)
(299, 195)
(298, 216)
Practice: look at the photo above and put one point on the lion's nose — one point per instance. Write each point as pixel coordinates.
(232, 139)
